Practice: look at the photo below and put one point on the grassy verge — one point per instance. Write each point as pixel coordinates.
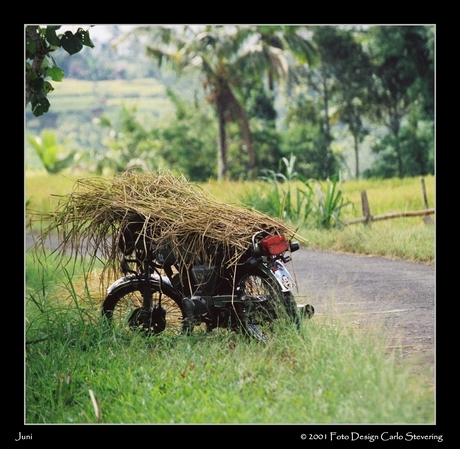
(77, 371)
(412, 242)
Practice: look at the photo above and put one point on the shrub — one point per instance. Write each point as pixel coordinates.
(293, 197)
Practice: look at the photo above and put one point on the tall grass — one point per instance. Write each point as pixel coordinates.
(327, 372)
(294, 198)
(59, 299)
(408, 238)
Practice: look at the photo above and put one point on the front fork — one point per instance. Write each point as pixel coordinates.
(152, 316)
(147, 274)
(146, 291)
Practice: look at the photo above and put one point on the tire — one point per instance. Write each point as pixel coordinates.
(123, 309)
(277, 305)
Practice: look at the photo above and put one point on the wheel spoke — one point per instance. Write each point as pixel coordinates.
(276, 304)
(125, 309)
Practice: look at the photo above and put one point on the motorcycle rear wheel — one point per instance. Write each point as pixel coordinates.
(277, 305)
(124, 310)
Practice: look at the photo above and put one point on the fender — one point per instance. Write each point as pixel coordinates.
(281, 274)
(155, 279)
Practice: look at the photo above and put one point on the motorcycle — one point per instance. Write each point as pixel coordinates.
(160, 293)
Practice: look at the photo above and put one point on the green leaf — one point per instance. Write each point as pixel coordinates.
(71, 43)
(39, 105)
(55, 73)
(51, 36)
(86, 40)
(47, 87)
(37, 83)
(31, 74)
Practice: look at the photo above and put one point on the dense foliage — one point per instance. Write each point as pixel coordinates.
(352, 100)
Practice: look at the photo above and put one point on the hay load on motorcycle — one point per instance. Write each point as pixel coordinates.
(187, 260)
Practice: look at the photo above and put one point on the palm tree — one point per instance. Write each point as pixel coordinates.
(277, 42)
(275, 48)
(215, 52)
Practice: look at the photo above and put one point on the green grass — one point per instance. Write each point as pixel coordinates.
(328, 372)
(412, 241)
(119, 88)
(390, 195)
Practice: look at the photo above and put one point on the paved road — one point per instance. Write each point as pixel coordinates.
(398, 295)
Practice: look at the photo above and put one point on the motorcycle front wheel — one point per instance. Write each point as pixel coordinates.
(274, 305)
(123, 309)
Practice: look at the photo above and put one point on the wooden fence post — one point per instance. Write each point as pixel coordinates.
(425, 198)
(426, 218)
(366, 208)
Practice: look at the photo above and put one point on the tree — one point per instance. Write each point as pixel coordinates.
(40, 65)
(319, 81)
(403, 70)
(269, 56)
(309, 114)
(349, 68)
(187, 143)
(306, 139)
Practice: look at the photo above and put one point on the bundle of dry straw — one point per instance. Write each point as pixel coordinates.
(167, 210)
